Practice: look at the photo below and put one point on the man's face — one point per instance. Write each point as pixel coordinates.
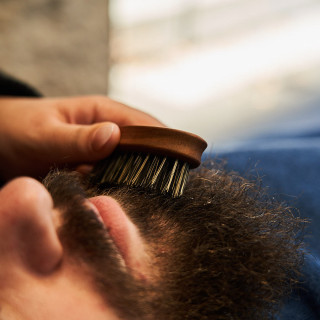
(73, 257)
(74, 253)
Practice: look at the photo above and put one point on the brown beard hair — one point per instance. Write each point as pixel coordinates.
(89, 247)
(226, 249)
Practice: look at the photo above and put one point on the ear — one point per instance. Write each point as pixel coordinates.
(27, 229)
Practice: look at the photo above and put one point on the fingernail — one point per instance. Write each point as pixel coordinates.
(102, 136)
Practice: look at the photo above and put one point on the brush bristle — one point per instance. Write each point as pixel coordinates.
(162, 174)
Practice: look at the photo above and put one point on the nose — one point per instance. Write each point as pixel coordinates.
(27, 224)
(23, 198)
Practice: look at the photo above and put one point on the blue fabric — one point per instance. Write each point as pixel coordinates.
(290, 168)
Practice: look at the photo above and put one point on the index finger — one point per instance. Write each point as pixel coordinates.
(92, 109)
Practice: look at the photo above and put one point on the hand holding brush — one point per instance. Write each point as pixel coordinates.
(39, 133)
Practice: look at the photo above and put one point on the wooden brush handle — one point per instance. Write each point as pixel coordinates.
(173, 143)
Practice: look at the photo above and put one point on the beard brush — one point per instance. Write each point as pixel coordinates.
(153, 158)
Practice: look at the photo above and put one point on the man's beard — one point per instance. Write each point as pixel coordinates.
(222, 251)
(86, 240)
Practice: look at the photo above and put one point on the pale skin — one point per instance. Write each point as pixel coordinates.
(37, 279)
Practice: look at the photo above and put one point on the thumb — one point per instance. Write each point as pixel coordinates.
(104, 138)
(87, 143)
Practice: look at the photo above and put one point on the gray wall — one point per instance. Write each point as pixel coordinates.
(58, 46)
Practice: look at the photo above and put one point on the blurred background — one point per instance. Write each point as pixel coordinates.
(224, 69)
